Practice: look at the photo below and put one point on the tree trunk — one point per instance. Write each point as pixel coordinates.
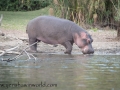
(118, 29)
(118, 32)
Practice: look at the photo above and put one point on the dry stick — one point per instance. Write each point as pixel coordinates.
(27, 54)
(30, 55)
(5, 51)
(33, 56)
(16, 57)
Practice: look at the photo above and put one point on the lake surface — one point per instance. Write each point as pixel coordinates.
(61, 72)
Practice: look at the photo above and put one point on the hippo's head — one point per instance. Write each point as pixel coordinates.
(84, 41)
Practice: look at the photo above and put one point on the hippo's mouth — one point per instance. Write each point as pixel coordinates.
(86, 50)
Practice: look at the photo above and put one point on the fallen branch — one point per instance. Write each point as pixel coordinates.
(8, 50)
(18, 56)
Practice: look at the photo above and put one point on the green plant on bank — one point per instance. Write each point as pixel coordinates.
(94, 29)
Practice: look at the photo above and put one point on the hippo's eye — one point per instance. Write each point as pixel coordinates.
(88, 41)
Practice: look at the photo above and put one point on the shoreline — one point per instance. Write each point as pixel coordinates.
(105, 42)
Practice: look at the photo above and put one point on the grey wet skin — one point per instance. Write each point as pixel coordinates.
(53, 30)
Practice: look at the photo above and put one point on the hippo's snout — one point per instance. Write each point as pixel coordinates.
(87, 50)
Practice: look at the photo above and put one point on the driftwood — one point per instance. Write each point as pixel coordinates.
(19, 54)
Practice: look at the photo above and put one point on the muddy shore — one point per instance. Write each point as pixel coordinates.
(105, 42)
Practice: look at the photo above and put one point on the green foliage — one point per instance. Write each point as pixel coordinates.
(116, 6)
(79, 11)
(22, 5)
(82, 11)
(94, 29)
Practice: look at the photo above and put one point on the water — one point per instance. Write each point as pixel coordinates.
(61, 72)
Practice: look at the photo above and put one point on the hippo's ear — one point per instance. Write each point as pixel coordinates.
(88, 41)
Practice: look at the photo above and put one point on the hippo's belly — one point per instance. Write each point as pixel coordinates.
(49, 40)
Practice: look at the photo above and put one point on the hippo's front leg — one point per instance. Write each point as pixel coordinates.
(68, 46)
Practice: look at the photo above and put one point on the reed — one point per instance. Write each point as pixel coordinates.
(51, 11)
(88, 11)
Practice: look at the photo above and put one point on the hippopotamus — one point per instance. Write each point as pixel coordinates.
(53, 30)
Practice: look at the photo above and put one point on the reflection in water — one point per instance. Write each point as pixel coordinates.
(69, 72)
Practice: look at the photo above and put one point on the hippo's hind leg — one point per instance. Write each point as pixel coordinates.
(68, 46)
(33, 47)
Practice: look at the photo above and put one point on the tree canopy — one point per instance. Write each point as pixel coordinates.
(22, 5)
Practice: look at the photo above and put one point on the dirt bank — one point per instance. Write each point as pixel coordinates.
(105, 42)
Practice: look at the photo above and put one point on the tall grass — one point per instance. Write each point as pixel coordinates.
(88, 11)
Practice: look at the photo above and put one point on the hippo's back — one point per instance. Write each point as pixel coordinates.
(50, 22)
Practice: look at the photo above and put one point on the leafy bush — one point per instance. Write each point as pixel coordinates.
(22, 5)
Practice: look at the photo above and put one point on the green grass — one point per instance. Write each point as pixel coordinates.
(18, 20)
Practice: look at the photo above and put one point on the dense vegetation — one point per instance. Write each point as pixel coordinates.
(88, 10)
(92, 12)
(22, 5)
